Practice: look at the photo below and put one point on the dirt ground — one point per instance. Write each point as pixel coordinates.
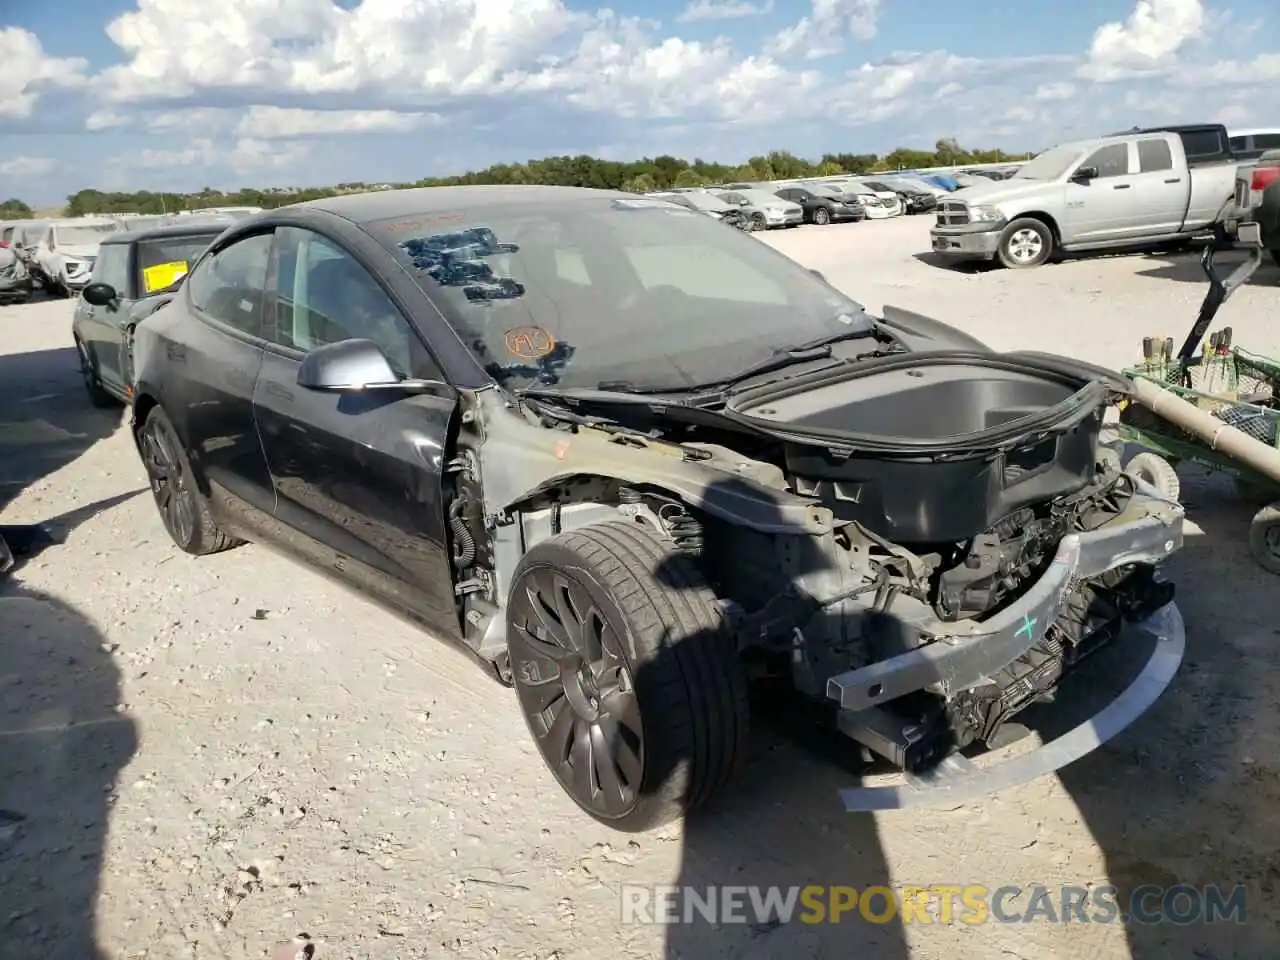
(204, 758)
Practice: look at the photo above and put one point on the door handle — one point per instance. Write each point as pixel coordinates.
(1174, 180)
(1122, 186)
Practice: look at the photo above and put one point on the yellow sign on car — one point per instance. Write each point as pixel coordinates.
(163, 274)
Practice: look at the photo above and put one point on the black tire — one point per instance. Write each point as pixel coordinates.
(1264, 537)
(822, 216)
(675, 702)
(1025, 243)
(98, 395)
(183, 510)
(1275, 255)
(1157, 471)
(758, 222)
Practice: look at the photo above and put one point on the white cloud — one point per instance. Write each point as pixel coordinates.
(105, 120)
(246, 155)
(822, 32)
(1059, 90)
(270, 123)
(25, 168)
(703, 11)
(26, 71)
(1147, 42)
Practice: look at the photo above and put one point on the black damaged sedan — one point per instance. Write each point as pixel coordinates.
(627, 458)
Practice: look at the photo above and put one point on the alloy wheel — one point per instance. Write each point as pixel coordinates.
(576, 691)
(168, 482)
(1025, 245)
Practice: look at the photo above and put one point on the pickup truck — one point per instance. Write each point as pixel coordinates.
(1140, 188)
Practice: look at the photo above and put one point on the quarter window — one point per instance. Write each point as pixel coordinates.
(229, 285)
(323, 295)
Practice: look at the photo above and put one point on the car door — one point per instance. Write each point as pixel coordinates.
(358, 479)
(213, 358)
(1160, 190)
(101, 327)
(1101, 208)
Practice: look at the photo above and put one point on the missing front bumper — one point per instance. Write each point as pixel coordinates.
(958, 779)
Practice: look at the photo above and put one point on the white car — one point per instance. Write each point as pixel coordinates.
(879, 204)
(67, 250)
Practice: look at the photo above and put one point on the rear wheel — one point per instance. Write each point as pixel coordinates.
(1264, 537)
(1025, 243)
(182, 509)
(626, 674)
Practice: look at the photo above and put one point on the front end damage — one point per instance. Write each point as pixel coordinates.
(921, 590)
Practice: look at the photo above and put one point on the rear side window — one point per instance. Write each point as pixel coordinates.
(229, 286)
(1154, 155)
(1266, 141)
(112, 266)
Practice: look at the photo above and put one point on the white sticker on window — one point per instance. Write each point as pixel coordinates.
(246, 306)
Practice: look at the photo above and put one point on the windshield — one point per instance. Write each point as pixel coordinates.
(853, 186)
(605, 293)
(164, 261)
(1049, 165)
(83, 233)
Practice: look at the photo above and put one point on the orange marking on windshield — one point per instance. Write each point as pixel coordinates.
(528, 343)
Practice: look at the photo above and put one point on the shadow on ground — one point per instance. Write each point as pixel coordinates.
(63, 741)
(63, 736)
(1186, 268)
(46, 420)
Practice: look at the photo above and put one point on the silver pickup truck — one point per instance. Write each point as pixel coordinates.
(1142, 188)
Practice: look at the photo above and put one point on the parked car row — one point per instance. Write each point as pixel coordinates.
(59, 255)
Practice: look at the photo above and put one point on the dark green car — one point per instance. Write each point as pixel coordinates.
(136, 273)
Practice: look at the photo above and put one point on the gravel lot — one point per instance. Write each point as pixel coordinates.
(206, 758)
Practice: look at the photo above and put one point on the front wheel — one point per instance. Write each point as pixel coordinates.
(1025, 243)
(821, 216)
(98, 395)
(182, 509)
(626, 674)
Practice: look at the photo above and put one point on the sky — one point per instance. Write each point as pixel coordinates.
(184, 94)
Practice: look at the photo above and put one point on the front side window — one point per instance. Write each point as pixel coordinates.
(636, 292)
(112, 266)
(1110, 161)
(324, 295)
(229, 286)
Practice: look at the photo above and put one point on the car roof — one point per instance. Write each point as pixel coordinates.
(207, 227)
(384, 204)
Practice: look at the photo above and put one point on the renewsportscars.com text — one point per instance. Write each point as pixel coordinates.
(970, 904)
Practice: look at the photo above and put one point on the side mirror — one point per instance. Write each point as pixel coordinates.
(357, 366)
(1085, 174)
(818, 274)
(100, 294)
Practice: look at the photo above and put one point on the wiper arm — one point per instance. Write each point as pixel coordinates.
(826, 341)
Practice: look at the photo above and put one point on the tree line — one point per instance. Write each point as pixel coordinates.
(638, 176)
